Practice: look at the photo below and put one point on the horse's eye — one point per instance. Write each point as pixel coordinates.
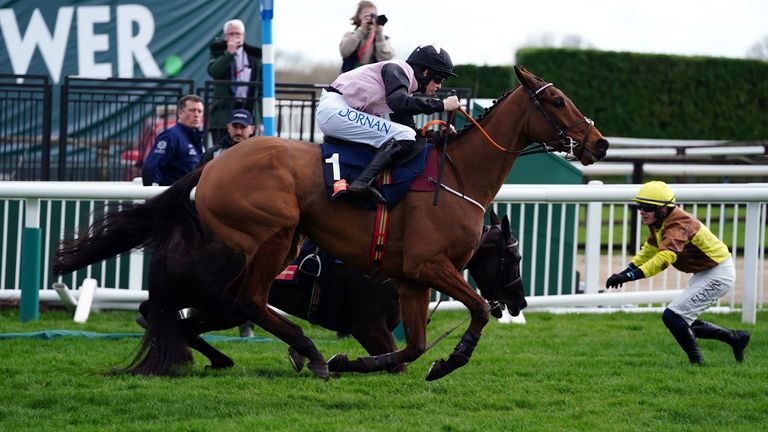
(559, 103)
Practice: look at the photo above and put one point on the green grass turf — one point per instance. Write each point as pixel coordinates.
(603, 372)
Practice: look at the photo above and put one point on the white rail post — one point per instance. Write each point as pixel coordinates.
(751, 242)
(592, 249)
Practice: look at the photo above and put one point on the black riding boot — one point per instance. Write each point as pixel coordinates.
(683, 335)
(387, 155)
(737, 339)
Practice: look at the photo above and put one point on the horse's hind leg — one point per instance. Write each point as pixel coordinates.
(262, 268)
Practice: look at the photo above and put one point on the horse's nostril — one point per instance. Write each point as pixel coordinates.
(602, 144)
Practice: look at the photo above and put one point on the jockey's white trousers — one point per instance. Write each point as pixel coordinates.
(335, 118)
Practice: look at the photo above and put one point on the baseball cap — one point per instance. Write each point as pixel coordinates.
(242, 117)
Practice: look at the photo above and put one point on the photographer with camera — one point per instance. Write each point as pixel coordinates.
(367, 43)
(232, 59)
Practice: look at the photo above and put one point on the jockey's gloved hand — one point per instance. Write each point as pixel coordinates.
(439, 135)
(631, 273)
(451, 103)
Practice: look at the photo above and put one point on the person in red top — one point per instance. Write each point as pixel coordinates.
(680, 240)
(367, 43)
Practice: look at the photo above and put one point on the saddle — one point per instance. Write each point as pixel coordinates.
(346, 160)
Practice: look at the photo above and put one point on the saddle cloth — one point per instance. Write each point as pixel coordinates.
(342, 161)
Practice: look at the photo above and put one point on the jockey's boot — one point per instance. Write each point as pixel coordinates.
(683, 335)
(387, 155)
(737, 339)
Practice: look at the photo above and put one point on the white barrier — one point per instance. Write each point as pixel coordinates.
(753, 196)
(673, 169)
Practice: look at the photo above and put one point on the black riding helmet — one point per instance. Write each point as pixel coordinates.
(433, 58)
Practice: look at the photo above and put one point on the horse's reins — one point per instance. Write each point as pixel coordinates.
(565, 143)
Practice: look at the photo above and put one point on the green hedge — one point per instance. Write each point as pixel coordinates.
(645, 95)
(485, 81)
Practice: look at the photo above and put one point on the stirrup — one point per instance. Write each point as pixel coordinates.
(311, 265)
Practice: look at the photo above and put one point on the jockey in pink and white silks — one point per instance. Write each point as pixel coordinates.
(351, 108)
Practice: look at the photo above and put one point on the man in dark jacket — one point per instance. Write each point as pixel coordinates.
(231, 59)
(177, 150)
(239, 127)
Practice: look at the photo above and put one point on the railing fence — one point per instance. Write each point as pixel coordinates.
(565, 252)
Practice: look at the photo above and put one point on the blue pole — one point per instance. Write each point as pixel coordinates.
(268, 65)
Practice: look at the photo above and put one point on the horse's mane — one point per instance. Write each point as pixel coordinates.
(469, 125)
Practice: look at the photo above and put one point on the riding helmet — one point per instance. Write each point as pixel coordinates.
(432, 57)
(656, 193)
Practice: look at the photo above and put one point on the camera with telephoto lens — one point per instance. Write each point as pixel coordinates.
(381, 19)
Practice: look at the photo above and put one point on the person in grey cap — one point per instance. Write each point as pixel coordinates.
(239, 127)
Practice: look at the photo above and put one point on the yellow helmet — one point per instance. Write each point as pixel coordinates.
(656, 193)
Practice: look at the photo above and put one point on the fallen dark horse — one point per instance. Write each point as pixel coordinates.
(342, 299)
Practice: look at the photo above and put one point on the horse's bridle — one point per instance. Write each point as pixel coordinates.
(565, 144)
(504, 263)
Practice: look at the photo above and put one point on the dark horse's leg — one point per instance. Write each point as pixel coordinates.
(368, 309)
(193, 328)
(414, 304)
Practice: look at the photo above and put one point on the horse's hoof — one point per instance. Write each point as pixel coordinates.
(320, 369)
(338, 363)
(221, 364)
(140, 320)
(438, 370)
(296, 359)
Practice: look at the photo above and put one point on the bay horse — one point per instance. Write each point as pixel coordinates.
(342, 299)
(258, 196)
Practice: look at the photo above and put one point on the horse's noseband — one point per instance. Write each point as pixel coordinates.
(503, 270)
(565, 144)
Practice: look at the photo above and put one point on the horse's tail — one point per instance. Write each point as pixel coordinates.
(164, 345)
(134, 226)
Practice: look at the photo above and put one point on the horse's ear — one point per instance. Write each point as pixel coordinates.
(494, 218)
(522, 75)
(505, 226)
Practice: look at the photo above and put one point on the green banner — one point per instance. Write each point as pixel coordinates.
(126, 39)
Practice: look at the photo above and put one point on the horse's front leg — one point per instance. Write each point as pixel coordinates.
(449, 281)
(414, 305)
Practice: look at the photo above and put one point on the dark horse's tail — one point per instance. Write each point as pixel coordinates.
(133, 226)
(155, 222)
